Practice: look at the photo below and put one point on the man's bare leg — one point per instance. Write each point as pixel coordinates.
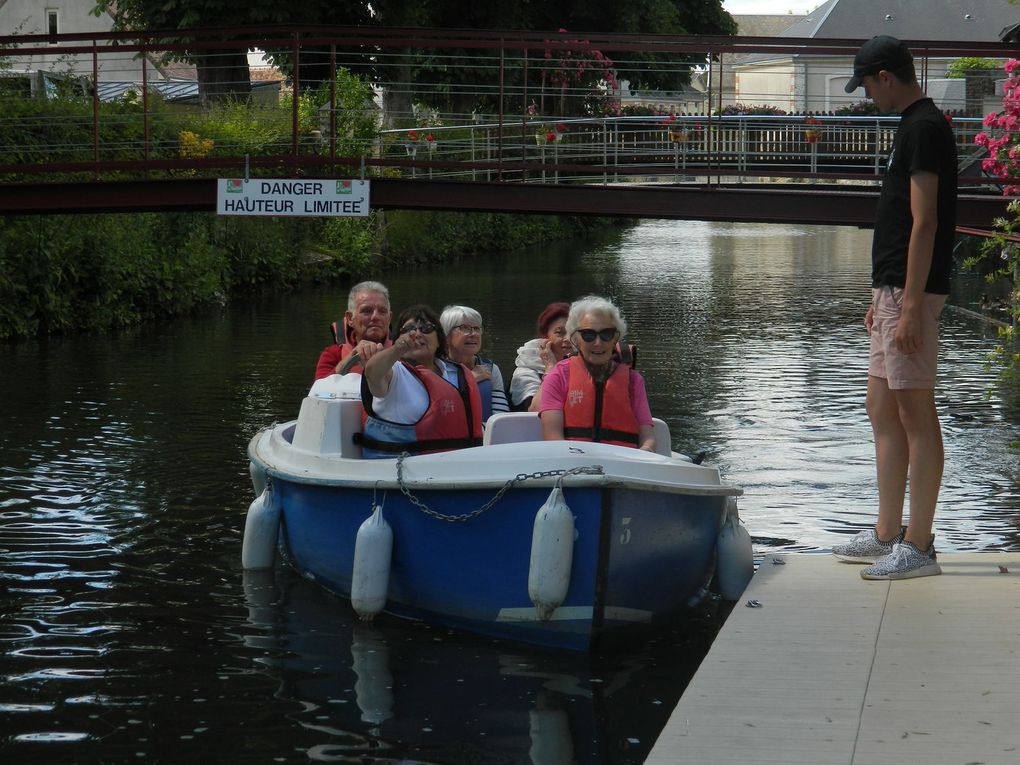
(892, 456)
(920, 422)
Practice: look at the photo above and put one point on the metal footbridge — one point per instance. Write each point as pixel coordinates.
(117, 131)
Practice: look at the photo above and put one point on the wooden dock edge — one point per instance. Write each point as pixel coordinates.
(831, 668)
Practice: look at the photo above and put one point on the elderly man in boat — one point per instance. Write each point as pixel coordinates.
(363, 333)
(415, 401)
(595, 396)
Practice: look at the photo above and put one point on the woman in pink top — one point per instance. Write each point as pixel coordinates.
(594, 396)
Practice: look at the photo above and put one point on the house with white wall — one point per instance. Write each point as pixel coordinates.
(118, 73)
(55, 17)
(814, 83)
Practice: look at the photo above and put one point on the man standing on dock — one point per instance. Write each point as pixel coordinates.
(911, 258)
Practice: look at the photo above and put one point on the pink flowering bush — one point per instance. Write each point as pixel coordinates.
(1002, 140)
(1002, 250)
(583, 80)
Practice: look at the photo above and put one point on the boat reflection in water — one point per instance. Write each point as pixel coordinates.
(398, 691)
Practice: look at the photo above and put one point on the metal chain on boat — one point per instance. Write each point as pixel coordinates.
(519, 478)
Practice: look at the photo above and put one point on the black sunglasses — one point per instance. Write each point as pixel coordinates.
(425, 327)
(589, 335)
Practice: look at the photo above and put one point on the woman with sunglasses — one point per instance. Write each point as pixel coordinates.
(593, 396)
(415, 401)
(463, 329)
(537, 357)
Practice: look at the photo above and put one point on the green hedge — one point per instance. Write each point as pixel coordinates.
(93, 272)
(60, 273)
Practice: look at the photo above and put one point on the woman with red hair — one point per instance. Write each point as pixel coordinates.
(538, 356)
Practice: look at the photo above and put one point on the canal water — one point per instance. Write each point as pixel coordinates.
(129, 633)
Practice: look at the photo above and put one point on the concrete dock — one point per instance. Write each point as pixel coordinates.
(834, 669)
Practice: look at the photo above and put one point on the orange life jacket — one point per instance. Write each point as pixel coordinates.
(452, 421)
(599, 411)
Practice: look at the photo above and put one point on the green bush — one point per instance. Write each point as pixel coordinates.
(858, 108)
(64, 273)
(959, 68)
(67, 273)
(50, 131)
(348, 244)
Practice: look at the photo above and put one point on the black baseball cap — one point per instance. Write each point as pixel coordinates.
(878, 53)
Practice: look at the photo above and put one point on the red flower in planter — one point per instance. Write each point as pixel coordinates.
(812, 134)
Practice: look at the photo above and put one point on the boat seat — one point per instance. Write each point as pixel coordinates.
(512, 428)
(327, 426)
(516, 427)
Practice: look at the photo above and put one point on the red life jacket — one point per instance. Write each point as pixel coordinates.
(599, 411)
(346, 349)
(452, 421)
(347, 346)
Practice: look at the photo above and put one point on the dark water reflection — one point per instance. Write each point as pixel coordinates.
(129, 634)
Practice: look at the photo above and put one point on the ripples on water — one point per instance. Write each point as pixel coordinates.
(129, 634)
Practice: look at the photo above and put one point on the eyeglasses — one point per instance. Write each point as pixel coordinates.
(469, 329)
(589, 335)
(425, 327)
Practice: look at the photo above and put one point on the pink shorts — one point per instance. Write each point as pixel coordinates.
(900, 370)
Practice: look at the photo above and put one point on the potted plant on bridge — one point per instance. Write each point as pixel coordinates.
(550, 135)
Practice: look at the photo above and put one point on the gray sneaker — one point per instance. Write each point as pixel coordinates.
(865, 547)
(905, 562)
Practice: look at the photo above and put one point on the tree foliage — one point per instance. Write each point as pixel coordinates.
(439, 80)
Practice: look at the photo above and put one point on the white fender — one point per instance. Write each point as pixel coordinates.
(370, 578)
(261, 528)
(258, 477)
(552, 551)
(735, 558)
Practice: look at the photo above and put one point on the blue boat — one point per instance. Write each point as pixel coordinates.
(640, 547)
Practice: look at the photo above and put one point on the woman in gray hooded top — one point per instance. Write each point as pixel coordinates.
(538, 356)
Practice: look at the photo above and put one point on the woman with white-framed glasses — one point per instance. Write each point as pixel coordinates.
(415, 400)
(595, 396)
(463, 328)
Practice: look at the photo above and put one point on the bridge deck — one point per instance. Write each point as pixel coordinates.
(767, 203)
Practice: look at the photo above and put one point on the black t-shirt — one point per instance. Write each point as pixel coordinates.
(924, 143)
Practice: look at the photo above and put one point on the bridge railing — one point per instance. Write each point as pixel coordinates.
(668, 148)
(496, 106)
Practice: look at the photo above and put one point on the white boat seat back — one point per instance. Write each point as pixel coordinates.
(517, 427)
(512, 428)
(663, 440)
(328, 425)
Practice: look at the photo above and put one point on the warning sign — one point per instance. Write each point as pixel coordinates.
(295, 196)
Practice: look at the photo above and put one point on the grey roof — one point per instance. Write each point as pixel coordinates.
(171, 90)
(963, 20)
(764, 24)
